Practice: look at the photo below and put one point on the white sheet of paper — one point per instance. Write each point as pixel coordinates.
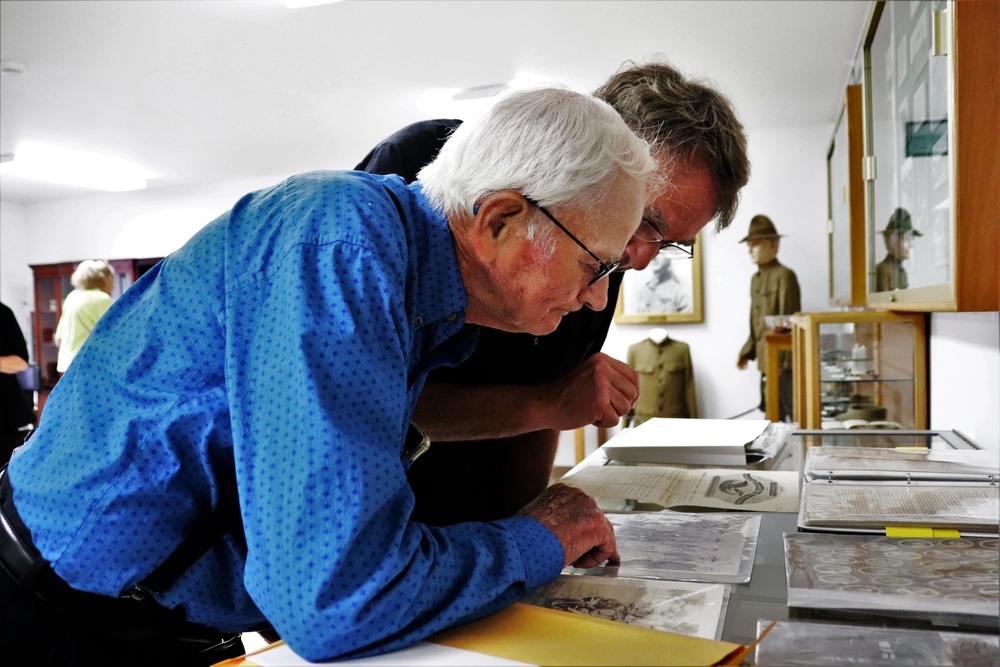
(421, 653)
(694, 432)
(751, 490)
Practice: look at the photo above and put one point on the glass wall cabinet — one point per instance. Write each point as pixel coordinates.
(864, 369)
(931, 155)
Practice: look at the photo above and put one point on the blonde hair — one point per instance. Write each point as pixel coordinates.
(91, 273)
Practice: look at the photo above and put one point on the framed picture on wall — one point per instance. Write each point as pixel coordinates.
(668, 291)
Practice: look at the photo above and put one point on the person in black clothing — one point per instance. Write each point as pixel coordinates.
(17, 416)
(494, 421)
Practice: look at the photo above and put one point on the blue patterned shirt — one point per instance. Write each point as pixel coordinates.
(284, 344)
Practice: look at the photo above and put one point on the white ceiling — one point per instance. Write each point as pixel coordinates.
(199, 91)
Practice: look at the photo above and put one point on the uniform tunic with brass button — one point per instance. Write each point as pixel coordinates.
(890, 275)
(666, 380)
(774, 290)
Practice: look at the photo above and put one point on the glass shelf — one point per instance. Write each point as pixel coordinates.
(890, 349)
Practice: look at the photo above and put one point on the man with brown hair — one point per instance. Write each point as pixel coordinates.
(495, 420)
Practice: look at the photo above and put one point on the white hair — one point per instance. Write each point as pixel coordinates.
(91, 273)
(549, 143)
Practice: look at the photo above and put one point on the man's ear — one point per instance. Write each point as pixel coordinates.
(498, 225)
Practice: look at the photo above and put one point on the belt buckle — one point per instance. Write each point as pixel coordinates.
(416, 443)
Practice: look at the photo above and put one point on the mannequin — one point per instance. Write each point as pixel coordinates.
(898, 236)
(666, 379)
(774, 290)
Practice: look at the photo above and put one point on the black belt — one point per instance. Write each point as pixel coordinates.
(16, 556)
(123, 618)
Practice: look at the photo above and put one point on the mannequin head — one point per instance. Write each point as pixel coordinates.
(898, 244)
(899, 234)
(762, 240)
(762, 251)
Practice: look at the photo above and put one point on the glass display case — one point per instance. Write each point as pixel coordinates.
(931, 113)
(859, 369)
(920, 439)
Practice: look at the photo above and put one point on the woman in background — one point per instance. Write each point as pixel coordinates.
(93, 281)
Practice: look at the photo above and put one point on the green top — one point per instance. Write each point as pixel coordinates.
(81, 310)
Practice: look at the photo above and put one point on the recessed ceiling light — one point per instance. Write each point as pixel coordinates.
(465, 102)
(71, 166)
(298, 4)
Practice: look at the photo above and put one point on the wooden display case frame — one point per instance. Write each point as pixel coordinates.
(806, 355)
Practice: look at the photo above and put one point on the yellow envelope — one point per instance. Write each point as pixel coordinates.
(542, 636)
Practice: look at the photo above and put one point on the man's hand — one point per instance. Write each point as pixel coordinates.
(587, 537)
(598, 392)
(741, 363)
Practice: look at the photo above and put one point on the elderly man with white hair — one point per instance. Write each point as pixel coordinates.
(245, 464)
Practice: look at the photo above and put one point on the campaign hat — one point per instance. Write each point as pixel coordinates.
(761, 227)
(900, 223)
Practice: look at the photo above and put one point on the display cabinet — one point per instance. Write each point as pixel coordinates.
(931, 149)
(906, 438)
(860, 368)
(52, 285)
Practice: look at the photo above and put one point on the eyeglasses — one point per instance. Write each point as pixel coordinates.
(649, 233)
(603, 269)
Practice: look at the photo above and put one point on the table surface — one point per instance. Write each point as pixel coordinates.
(765, 595)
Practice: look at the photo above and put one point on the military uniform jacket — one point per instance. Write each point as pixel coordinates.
(666, 380)
(890, 275)
(774, 290)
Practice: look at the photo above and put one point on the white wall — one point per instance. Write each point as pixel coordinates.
(964, 374)
(144, 223)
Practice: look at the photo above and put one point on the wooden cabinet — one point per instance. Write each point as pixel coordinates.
(846, 205)
(931, 149)
(865, 364)
(52, 285)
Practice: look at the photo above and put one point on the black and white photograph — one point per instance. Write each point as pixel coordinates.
(682, 546)
(692, 609)
(667, 291)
